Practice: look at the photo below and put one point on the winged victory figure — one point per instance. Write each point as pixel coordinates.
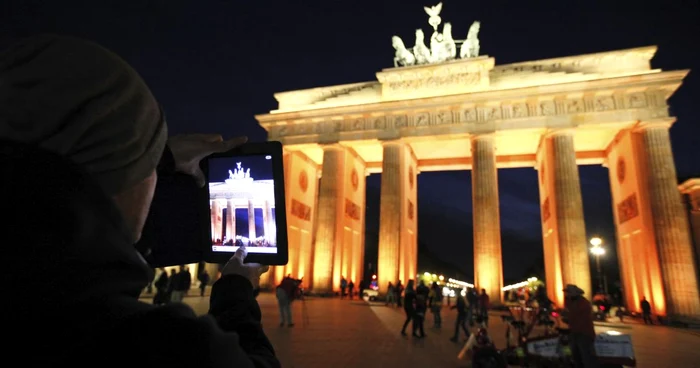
(434, 13)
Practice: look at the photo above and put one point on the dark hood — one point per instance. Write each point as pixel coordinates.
(63, 237)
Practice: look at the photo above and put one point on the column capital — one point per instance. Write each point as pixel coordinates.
(331, 146)
(663, 123)
(551, 133)
(392, 142)
(479, 136)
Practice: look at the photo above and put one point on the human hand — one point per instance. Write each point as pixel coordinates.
(189, 149)
(251, 271)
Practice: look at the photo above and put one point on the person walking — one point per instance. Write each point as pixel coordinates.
(646, 311)
(287, 291)
(421, 307)
(435, 303)
(351, 289)
(484, 304)
(399, 293)
(390, 295)
(343, 286)
(408, 307)
(161, 285)
(461, 307)
(203, 281)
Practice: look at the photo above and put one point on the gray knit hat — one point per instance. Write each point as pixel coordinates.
(75, 98)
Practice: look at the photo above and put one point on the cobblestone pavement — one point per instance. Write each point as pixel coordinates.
(341, 333)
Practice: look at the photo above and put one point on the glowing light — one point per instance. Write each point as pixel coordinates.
(434, 276)
(459, 283)
(452, 293)
(426, 274)
(446, 291)
(519, 284)
(597, 251)
(596, 241)
(268, 157)
(441, 278)
(374, 277)
(463, 292)
(613, 333)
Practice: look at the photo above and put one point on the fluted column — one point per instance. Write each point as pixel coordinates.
(215, 220)
(329, 189)
(251, 220)
(488, 272)
(230, 220)
(266, 220)
(670, 224)
(390, 217)
(271, 226)
(573, 246)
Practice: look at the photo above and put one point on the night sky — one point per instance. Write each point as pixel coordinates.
(215, 64)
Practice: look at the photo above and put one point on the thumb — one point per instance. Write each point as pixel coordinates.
(199, 177)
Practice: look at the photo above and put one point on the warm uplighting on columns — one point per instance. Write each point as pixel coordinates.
(488, 273)
(570, 224)
(390, 216)
(327, 218)
(678, 268)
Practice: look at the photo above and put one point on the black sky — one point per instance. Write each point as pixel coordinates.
(215, 64)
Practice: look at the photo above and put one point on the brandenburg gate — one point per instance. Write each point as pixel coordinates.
(467, 113)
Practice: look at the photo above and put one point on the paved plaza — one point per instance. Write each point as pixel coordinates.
(342, 333)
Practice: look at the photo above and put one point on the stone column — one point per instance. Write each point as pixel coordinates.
(215, 216)
(670, 224)
(251, 220)
(573, 246)
(230, 220)
(390, 216)
(488, 272)
(266, 220)
(271, 226)
(329, 190)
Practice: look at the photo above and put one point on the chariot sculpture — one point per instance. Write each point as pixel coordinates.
(442, 46)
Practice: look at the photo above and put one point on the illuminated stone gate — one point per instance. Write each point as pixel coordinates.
(600, 109)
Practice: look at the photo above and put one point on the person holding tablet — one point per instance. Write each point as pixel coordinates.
(82, 145)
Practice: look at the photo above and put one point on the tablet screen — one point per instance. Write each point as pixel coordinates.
(242, 204)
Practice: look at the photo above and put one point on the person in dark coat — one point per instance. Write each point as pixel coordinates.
(161, 285)
(83, 139)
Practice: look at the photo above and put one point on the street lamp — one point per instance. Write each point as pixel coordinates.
(598, 251)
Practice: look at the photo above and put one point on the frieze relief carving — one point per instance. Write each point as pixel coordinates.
(489, 113)
(421, 119)
(637, 100)
(574, 106)
(467, 115)
(398, 121)
(548, 108)
(605, 103)
(443, 117)
(654, 101)
(519, 110)
(379, 123)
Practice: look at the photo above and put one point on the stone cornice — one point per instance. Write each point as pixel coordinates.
(602, 89)
(554, 112)
(635, 59)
